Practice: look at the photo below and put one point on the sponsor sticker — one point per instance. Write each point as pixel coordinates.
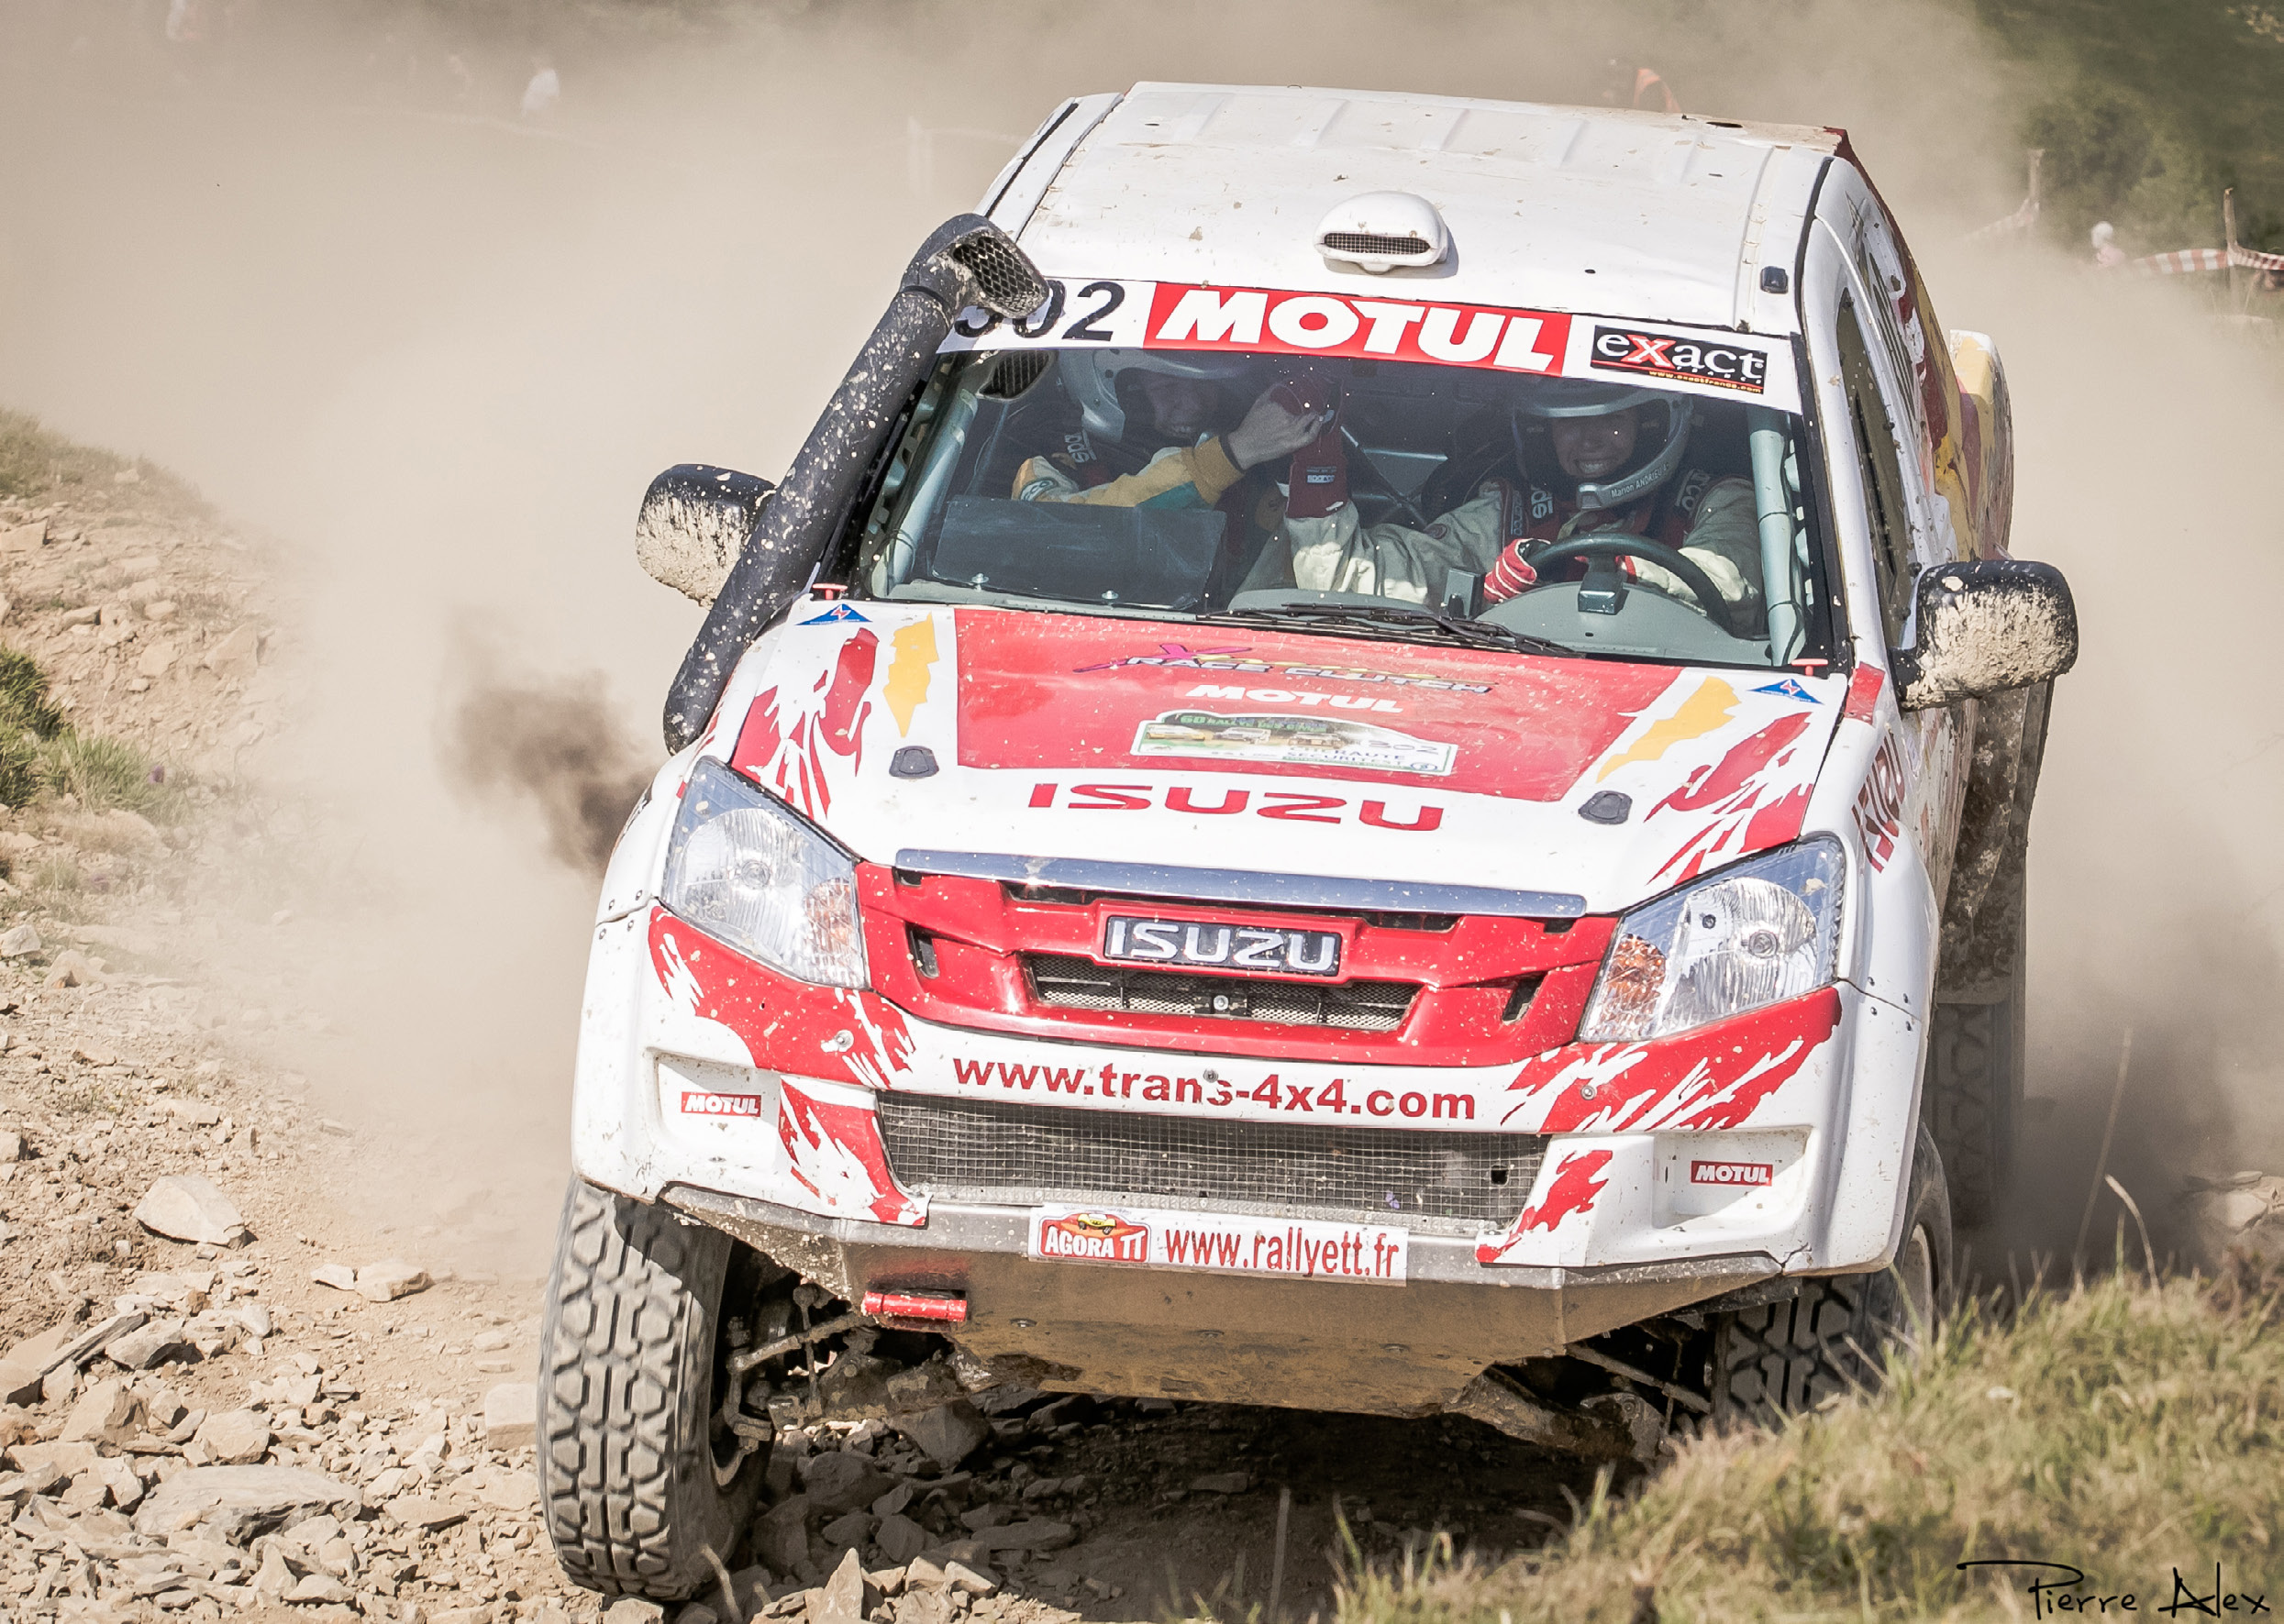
(1306, 741)
(1732, 1173)
(1790, 689)
(1086, 312)
(698, 1104)
(838, 612)
(1241, 659)
(1710, 361)
(1221, 1242)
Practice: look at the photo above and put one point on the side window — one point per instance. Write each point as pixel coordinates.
(1874, 427)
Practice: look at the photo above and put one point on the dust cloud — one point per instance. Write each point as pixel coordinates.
(325, 266)
(553, 745)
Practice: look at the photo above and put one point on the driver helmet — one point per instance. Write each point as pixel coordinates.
(1662, 435)
(1091, 377)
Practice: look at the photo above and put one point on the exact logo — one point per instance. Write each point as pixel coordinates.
(695, 1104)
(1102, 1236)
(1732, 1173)
(1661, 355)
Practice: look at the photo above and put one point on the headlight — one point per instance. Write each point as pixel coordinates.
(744, 869)
(1748, 936)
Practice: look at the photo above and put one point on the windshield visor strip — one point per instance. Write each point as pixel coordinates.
(1087, 312)
(1229, 885)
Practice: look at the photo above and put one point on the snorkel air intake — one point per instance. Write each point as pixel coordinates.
(967, 261)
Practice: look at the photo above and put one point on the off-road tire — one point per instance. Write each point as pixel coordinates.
(1976, 1064)
(629, 1349)
(1788, 1357)
(1977, 1052)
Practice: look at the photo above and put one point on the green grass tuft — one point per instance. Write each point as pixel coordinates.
(103, 774)
(2125, 1429)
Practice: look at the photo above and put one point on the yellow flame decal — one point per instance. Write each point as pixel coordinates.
(906, 689)
(1713, 704)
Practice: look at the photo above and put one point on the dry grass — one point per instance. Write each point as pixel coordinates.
(41, 466)
(2124, 1430)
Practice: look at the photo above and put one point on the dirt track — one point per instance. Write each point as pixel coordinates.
(166, 1026)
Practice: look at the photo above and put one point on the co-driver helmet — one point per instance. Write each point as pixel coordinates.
(1091, 377)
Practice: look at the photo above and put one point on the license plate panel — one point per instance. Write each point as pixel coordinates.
(1201, 944)
(1222, 1244)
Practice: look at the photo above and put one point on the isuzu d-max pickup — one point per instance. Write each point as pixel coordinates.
(1378, 759)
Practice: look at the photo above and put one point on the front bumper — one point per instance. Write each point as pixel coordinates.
(748, 1101)
(1225, 1338)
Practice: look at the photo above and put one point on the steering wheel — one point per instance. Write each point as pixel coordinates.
(1607, 545)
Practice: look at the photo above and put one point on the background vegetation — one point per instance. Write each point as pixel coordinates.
(2128, 1430)
(2155, 106)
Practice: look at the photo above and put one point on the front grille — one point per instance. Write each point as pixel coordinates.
(1358, 242)
(1005, 1153)
(1073, 983)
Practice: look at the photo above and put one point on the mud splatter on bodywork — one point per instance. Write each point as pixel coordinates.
(834, 1153)
(1713, 1077)
(1569, 1193)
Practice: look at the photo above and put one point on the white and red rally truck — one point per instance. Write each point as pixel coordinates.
(1132, 913)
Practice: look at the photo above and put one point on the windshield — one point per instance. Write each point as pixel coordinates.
(1608, 491)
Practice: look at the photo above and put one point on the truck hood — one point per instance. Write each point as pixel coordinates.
(907, 728)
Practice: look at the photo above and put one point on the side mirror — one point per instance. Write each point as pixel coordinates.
(1985, 627)
(694, 519)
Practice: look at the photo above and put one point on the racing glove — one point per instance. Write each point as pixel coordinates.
(1508, 576)
(1318, 482)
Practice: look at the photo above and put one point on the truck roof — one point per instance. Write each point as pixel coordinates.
(1651, 215)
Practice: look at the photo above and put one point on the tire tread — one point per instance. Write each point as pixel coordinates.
(626, 1343)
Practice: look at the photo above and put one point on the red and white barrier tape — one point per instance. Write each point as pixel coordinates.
(2181, 261)
(2022, 219)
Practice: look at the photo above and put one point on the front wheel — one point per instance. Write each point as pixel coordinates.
(1791, 1356)
(640, 1474)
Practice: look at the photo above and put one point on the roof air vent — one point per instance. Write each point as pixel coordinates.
(1378, 231)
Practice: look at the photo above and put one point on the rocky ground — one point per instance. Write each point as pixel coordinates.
(231, 1392)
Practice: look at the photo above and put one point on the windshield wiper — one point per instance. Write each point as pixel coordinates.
(1392, 617)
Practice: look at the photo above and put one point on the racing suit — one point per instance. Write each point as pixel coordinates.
(1177, 477)
(1197, 476)
(1710, 519)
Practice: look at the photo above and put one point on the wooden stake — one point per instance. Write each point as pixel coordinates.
(2101, 1162)
(2236, 296)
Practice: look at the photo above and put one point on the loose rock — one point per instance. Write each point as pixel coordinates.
(841, 1482)
(240, 1499)
(844, 1599)
(511, 1416)
(948, 1434)
(235, 1438)
(386, 1282)
(187, 1207)
(109, 1413)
